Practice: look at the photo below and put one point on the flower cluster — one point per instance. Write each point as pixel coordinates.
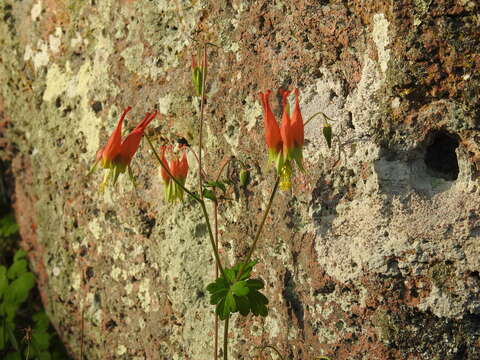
(284, 143)
(117, 154)
(178, 168)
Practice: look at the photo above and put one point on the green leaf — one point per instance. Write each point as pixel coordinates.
(2, 334)
(243, 296)
(44, 355)
(41, 321)
(3, 280)
(209, 194)
(9, 309)
(255, 284)
(13, 356)
(230, 274)
(244, 177)
(258, 303)
(197, 80)
(20, 254)
(8, 226)
(240, 288)
(18, 290)
(217, 285)
(217, 296)
(11, 336)
(220, 310)
(230, 304)
(18, 268)
(327, 134)
(216, 184)
(246, 270)
(243, 305)
(40, 340)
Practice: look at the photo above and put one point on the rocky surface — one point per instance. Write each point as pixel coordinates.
(375, 252)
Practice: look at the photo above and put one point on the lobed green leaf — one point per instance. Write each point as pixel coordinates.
(18, 268)
(243, 305)
(240, 288)
(255, 284)
(17, 291)
(3, 280)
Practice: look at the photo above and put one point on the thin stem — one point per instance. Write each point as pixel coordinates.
(215, 218)
(202, 107)
(260, 228)
(195, 197)
(82, 326)
(225, 339)
(316, 114)
(263, 348)
(211, 237)
(196, 158)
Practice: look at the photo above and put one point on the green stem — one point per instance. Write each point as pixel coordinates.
(262, 223)
(211, 237)
(316, 114)
(215, 224)
(225, 339)
(202, 107)
(273, 348)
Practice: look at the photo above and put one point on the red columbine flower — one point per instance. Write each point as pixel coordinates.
(179, 170)
(116, 155)
(284, 143)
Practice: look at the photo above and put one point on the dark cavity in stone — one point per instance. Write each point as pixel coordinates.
(440, 155)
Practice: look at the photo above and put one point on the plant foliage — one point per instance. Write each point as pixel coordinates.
(236, 292)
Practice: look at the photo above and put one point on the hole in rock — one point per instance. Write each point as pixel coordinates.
(440, 155)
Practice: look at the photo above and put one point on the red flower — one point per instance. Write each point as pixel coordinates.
(116, 155)
(179, 170)
(284, 143)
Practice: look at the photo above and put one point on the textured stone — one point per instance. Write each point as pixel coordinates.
(374, 254)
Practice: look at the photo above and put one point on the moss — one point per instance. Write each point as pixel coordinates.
(442, 275)
(428, 336)
(386, 326)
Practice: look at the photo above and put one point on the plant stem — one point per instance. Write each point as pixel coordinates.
(318, 113)
(225, 339)
(273, 348)
(212, 239)
(260, 228)
(215, 218)
(202, 107)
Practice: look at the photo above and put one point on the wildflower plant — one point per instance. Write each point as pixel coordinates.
(179, 170)
(117, 154)
(234, 289)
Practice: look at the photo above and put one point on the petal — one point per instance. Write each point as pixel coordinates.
(163, 172)
(111, 150)
(131, 142)
(286, 128)
(146, 121)
(297, 123)
(183, 166)
(272, 131)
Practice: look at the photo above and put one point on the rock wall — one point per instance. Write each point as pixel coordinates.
(375, 252)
